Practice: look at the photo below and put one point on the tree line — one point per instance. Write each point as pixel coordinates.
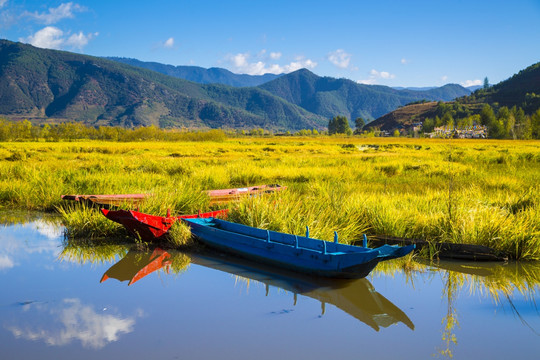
(70, 131)
(506, 123)
(340, 125)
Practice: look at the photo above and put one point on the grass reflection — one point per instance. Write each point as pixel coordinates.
(134, 257)
(450, 321)
(20, 217)
(500, 282)
(92, 251)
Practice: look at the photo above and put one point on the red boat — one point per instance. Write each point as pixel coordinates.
(151, 227)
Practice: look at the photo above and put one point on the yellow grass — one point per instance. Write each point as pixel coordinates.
(472, 191)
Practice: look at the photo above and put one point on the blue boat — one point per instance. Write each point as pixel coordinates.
(298, 253)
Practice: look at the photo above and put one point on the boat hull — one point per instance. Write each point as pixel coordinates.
(228, 195)
(298, 253)
(151, 228)
(216, 196)
(108, 200)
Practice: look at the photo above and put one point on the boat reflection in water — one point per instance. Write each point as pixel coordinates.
(358, 298)
(136, 264)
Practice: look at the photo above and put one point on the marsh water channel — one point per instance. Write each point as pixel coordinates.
(63, 299)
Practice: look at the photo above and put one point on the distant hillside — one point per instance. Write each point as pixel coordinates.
(201, 75)
(423, 88)
(521, 90)
(470, 88)
(329, 97)
(42, 84)
(405, 116)
(474, 87)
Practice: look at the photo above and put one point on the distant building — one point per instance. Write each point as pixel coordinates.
(470, 132)
(417, 126)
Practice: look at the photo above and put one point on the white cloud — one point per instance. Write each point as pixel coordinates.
(382, 74)
(340, 58)
(2, 3)
(375, 75)
(369, 81)
(6, 262)
(51, 37)
(243, 64)
(7, 18)
(444, 77)
(405, 61)
(72, 321)
(79, 40)
(64, 11)
(275, 55)
(169, 43)
(468, 83)
(299, 63)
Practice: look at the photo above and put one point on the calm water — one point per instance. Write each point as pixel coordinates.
(66, 301)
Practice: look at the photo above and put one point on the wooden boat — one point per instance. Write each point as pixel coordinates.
(112, 199)
(226, 195)
(445, 250)
(299, 253)
(216, 196)
(151, 227)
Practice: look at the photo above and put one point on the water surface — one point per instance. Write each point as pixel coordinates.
(65, 300)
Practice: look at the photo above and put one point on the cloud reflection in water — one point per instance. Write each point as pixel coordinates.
(70, 322)
(18, 242)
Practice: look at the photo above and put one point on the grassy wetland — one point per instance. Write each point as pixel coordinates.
(484, 192)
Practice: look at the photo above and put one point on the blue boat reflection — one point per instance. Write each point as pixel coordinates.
(358, 298)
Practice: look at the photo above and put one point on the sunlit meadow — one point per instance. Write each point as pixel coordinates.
(483, 192)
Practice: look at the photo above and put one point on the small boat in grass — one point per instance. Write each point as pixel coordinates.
(216, 196)
(226, 195)
(151, 227)
(298, 253)
(111, 199)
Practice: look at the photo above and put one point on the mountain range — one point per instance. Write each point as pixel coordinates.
(51, 85)
(323, 96)
(329, 97)
(44, 85)
(201, 75)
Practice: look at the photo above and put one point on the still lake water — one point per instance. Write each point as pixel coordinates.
(72, 301)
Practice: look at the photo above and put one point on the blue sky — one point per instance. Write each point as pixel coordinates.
(394, 43)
